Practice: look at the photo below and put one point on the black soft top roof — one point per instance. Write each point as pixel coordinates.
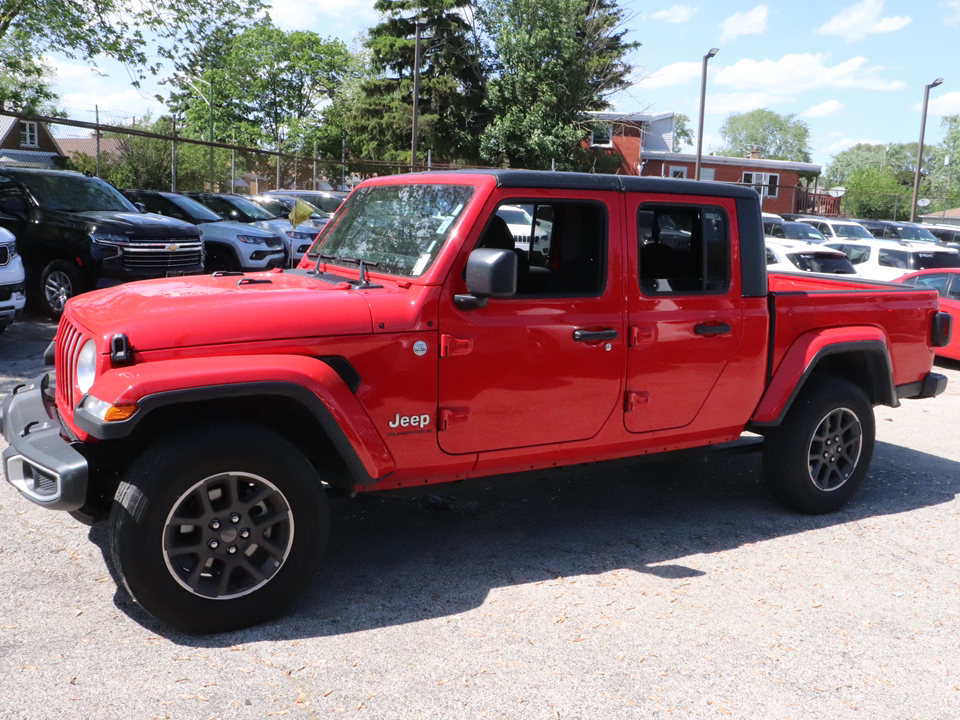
(617, 183)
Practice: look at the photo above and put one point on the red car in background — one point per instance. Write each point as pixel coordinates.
(947, 283)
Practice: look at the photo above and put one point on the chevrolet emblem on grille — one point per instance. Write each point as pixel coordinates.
(173, 248)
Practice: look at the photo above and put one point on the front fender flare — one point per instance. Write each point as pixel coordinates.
(804, 355)
(308, 380)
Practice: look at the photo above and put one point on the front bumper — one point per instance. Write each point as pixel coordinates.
(40, 462)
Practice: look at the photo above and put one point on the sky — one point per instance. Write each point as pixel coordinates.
(854, 71)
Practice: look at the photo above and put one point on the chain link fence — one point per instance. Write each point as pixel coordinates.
(117, 150)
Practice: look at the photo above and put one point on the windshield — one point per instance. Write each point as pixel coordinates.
(911, 232)
(74, 193)
(401, 227)
(196, 211)
(851, 231)
(232, 207)
(281, 206)
(802, 231)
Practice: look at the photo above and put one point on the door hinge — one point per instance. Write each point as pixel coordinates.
(449, 416)
(635, 398)
(450, 345)
(640, 335)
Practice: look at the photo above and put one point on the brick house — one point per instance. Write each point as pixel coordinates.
(645, 143)
(26, 143)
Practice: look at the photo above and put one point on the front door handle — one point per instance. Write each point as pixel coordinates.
(594, 335)
(718, 329)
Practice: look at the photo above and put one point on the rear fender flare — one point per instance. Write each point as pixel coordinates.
(808, 351)
(308, 380)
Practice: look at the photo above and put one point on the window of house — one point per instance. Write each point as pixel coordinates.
(679, 171)
(602, 136)
(708, 174)
(28, 134)
(683, 249)
(766, 184)
(561, 246)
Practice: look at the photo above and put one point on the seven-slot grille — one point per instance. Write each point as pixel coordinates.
(274, 241)
(69, 341)
(161, 254)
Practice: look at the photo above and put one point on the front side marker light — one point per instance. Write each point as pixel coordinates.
(105, 412)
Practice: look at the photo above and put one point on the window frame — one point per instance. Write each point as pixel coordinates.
(609, 135)
(762, 182)
(28, 128)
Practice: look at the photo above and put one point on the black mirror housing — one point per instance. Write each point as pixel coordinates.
(492, 273)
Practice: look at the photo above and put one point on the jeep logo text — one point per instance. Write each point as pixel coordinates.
(410, 421)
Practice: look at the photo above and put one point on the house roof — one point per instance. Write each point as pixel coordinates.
(87, 145)
(28, 158)
(944, 214)
(707, 160)
(635, 117)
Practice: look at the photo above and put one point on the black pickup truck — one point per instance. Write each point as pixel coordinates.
(76, 233)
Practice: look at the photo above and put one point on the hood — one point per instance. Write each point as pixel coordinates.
(207, 310)
(132, 224)
(230, 229)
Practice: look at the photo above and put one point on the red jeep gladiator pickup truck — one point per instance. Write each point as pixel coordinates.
(425, 339)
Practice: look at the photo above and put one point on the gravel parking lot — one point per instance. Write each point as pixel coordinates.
(640, 589)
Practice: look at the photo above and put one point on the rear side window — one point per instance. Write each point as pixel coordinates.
(683, 249)
(857, 253)
(823, 263)
(929, 260)
(894, 258)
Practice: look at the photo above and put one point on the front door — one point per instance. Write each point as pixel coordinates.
(546, 365)
(685, 316)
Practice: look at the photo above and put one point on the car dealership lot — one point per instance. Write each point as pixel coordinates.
(624, 590)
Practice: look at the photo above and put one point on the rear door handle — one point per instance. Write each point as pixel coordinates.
(594, 335)
(719, 329)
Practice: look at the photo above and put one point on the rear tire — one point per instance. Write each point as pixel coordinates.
(817, 459)
(59, 281)
(218, 528)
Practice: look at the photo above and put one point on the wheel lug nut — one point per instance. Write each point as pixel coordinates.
(232, 549)
(214, 544)
(245, 533)
(214, 524)
(234, 518)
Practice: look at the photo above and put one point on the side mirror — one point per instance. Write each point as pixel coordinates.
(141, 207)
(490, 273)
(13, 206)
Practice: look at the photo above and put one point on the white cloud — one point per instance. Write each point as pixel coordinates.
(83, 91)
(792, 74)
(300, 14)
(670, 75)
(830, 107)
(952, 16)
(676, 14)
(862, 19)
(752, 22)
(845, 144)
(948, 104)
(723, 104)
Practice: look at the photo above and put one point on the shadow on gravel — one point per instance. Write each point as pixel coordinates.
(405, 557)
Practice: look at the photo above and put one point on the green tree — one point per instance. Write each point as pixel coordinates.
(682, 134)
(119, 29)
(25, 80)
(775, 136)
(453, 76)
(557, 60)
(873, 193)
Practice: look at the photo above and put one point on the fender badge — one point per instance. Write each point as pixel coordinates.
(420, 348)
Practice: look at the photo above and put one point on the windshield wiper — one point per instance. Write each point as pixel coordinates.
(361, 282)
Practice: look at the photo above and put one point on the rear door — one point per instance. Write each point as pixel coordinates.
(685, 307)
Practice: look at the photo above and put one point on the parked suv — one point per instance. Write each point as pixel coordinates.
(949, 234)
(326, 200)
(892, 230)
(76, 232)
(836, 229)
(889, 259)
(230, 245)
(12, 295)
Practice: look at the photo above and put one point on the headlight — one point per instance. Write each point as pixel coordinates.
(87, 366)
(297, 235)
(252, 239)
(109, 239)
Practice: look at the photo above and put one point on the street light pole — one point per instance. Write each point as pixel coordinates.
(703, 98)
(209, 101)
(923, 126)
(416, 92)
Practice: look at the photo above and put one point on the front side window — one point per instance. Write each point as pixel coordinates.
(401, 228)
(29, 137)
(561, 246)
(683, 249)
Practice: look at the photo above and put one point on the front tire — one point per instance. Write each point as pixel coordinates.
(219, 260)
(817, 459)
(59, 281)
(218, 528)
